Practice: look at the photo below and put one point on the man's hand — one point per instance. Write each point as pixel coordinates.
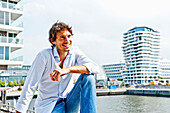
(55, 75)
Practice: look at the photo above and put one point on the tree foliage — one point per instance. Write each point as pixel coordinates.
(21, 82)
(123, 83)
(11, 84)
(15, 83)
(2, 83)
(119, 79)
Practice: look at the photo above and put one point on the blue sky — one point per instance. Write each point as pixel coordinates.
(98, 25)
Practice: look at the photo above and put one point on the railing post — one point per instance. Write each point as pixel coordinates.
(8, 107)
(3, 94)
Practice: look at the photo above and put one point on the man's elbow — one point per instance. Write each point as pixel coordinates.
(92, 68)
(95, 69)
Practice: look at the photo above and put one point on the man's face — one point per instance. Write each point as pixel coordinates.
(63, 41)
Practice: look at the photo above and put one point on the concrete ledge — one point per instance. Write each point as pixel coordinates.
(149, 92)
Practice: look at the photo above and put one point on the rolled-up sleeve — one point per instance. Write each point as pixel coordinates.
(82, 59)
(33, 77)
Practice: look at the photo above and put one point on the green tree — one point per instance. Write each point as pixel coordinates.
(160, 77)
(119, 79)
(2, 83)
(123, 83)
(154, 77)
(21, 82)
(15, 83)
(17, 40)
(11, 84)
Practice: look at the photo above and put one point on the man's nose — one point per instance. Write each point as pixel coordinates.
(67, 40)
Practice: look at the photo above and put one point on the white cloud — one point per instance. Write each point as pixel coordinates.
(136, 8)
(98, 48)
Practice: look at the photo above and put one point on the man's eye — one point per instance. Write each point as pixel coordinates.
(69, 36)
(62, 37)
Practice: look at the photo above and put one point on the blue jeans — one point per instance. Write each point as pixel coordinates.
(81, 98)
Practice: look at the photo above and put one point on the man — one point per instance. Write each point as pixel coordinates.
(52, 71)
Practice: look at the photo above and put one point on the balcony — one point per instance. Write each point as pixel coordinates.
(13, 61)
(11, 26)
(10, 6)
(11, 40)
(19, 58)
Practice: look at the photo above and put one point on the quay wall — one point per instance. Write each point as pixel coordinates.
(149, 92)
(104, 92)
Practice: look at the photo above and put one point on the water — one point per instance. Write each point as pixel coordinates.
(128, 104)
(132, 104)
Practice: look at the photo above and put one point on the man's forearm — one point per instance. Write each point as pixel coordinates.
(55, 75)
(78, 69)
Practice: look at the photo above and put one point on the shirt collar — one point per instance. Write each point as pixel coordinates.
(55, 52)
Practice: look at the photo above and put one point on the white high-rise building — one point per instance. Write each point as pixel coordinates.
(141, 49)
(165, 68)
(114, 70)
(10, 27)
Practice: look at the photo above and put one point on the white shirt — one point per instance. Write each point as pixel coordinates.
(50, 91)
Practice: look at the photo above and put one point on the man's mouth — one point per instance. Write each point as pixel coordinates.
(66, 45)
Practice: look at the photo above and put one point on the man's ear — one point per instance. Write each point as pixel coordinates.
(53, 42)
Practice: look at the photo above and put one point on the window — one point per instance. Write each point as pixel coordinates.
(1, 53)
(4, 3)
(6, 53)
(10, 35)
(1, 17)
(6, 18)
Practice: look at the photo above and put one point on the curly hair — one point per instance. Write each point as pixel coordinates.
(56, 27)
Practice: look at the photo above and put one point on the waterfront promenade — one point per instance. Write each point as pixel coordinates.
(118, 91)
(13, 93)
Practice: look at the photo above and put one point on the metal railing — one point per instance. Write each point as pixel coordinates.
(10, 6)
(12, 23)
(16, 24)
(6, 108)
(4, 39)
(19, 58)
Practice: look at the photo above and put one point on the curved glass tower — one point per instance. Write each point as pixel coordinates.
(141, 49)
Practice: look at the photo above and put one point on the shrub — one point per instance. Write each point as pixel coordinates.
(11, 84)
(21, 82)
(2, 83)
(119, 79)
(15, 83)
(123, 83)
